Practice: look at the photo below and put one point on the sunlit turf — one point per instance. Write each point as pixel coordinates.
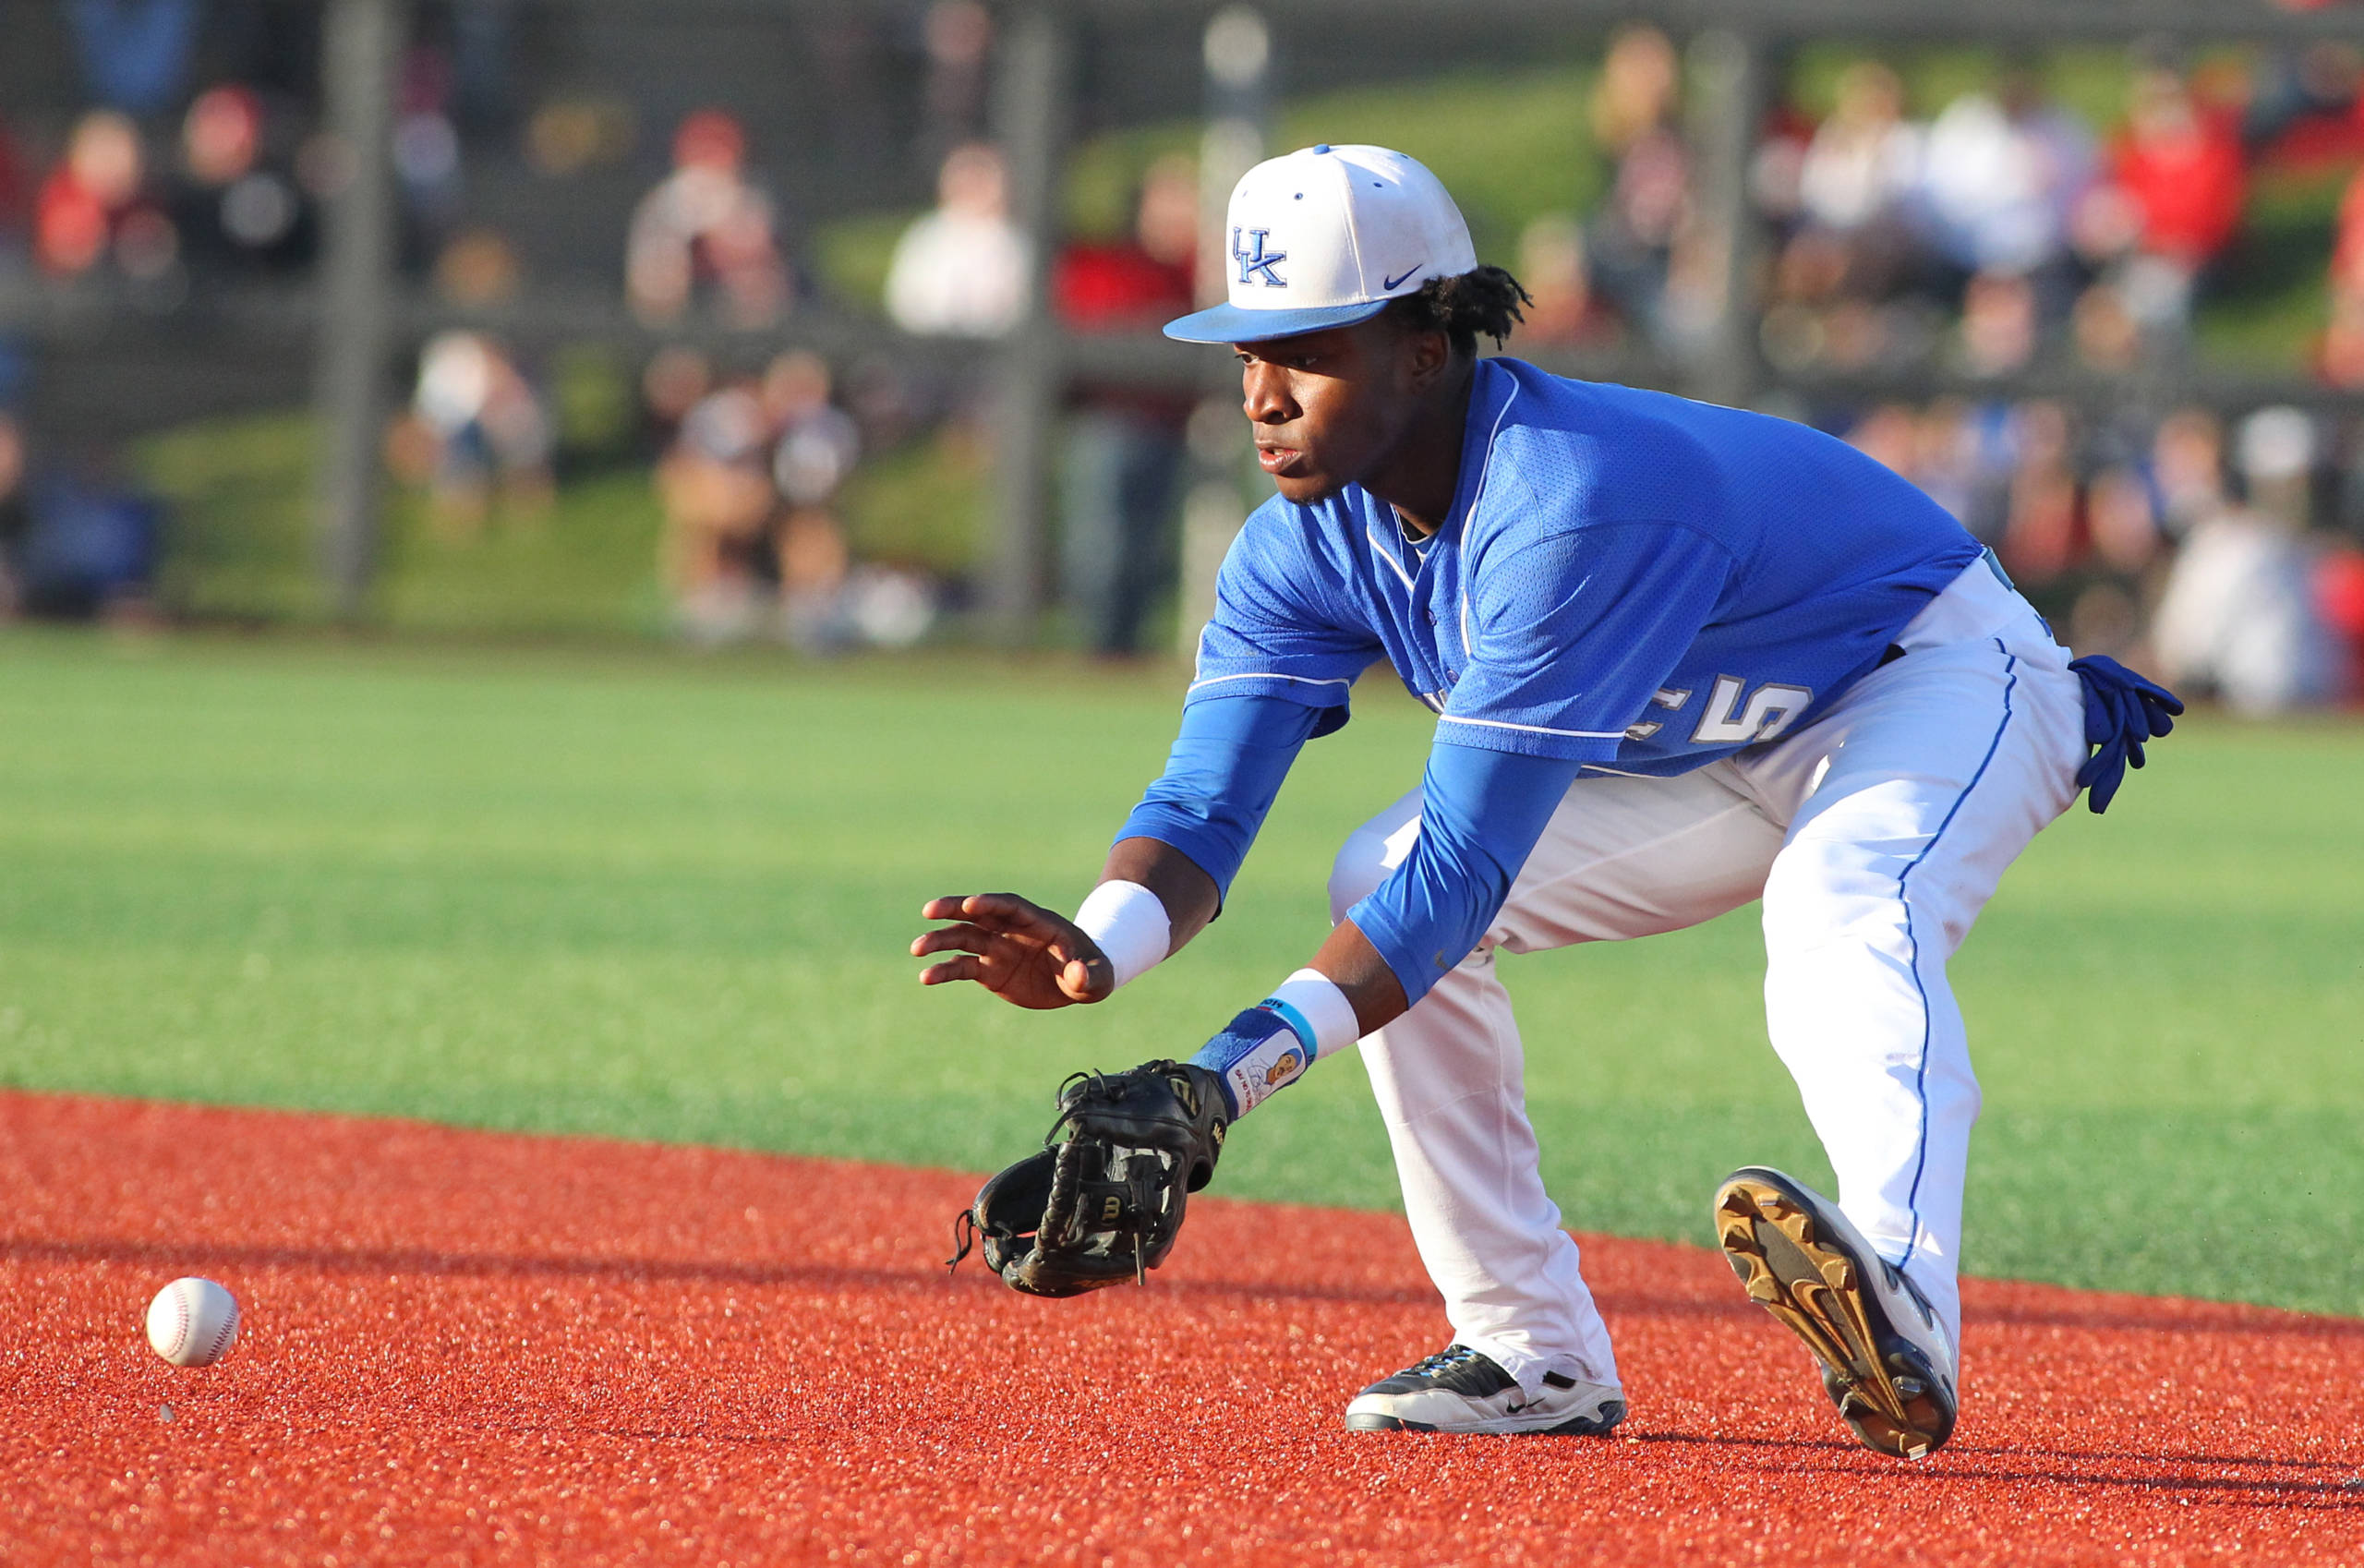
(665, 897)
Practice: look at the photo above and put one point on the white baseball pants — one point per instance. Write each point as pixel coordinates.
(1875, 835)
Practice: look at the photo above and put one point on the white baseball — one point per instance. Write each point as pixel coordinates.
(192, 1321)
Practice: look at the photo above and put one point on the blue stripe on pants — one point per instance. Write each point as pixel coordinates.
(1912, 940)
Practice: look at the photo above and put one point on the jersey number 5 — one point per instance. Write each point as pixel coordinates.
(1770, 709)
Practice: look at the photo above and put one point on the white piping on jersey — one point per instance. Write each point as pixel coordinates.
(1266, 675)
(1537, 728)
(1613, 772)
(1378, 547)
(1475, 497)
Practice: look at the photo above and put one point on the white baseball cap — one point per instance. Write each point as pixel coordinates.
(1325, 238)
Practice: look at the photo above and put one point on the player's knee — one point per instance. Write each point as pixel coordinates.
(1371, 852)
(1818, 892)
(1362, 865)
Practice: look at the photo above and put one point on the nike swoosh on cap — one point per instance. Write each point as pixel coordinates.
(1399, 277)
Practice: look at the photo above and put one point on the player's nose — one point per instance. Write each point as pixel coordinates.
(1264, 390)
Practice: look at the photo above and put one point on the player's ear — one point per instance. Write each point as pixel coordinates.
(1429, 355)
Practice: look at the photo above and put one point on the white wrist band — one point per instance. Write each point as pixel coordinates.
(1311, 1004)
(1130, 924)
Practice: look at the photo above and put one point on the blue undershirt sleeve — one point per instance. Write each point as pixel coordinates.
(1221, 778)
(1481, 812)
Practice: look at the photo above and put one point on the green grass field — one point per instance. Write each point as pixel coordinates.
(653, 895)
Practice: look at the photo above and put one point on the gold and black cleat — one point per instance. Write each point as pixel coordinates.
(1885, 1359)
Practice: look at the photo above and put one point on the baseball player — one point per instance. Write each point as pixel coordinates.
(1681, 656)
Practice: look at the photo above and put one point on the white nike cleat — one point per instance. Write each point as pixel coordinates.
(1461, 1389)
(1886, 1362)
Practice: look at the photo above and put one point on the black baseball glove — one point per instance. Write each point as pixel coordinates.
(1102, 1201)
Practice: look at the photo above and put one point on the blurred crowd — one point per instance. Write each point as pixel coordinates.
(1986, 229)
(2004, 234)
(1998, 231)
(2230, 560)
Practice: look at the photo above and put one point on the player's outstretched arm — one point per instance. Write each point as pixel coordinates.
(1031, 956)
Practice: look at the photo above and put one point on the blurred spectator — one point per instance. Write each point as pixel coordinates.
(1887, 224)
(2180, 163)
(706, 226)
(816, 446)
(1964, 456)
(1633, 242)
(2105, 616)
(2177, 181)
(135, 54)
(2108, 335)
(716, 485)
(1552, 265)
(230, 209)
(2239, 618)
(2301, 102)
(477, 431)
(2001, 175)
(567, 136)
(1124, 447)
(2123, 521)
(477, 269)
(1129, 283)
(1885, 435)
(483, 41)
(754, 544)
(674, 380)
(958, 36)
(2040, 536)
(2188, 469)
(960, 271)
(1850, 249)
(827, 598)
(885, 404)
(2100, 519)
(2339, 602)
(425, 155)
(94, 205)
(1864, 159)
(1998, 323)
(88, 550)
(2339, 354)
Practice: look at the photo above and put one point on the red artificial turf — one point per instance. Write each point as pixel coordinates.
(472, 1348)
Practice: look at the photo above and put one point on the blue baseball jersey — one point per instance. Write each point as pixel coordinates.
(1627, 580)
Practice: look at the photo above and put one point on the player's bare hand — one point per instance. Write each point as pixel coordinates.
(1017, 949)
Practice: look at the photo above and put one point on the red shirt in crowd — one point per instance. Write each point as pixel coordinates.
(1115, 288)
(2189, 187)
(1108, 287)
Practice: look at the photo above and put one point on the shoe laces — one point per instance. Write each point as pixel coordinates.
(1444, 1360)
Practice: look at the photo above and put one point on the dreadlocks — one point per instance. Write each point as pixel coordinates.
(1485, 300)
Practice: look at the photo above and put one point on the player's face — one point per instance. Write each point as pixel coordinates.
(1327, 408)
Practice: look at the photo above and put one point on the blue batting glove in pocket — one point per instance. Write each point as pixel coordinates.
(2122, 710)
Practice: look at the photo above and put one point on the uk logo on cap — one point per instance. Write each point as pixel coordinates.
(1356, 226)
(1256, 262)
